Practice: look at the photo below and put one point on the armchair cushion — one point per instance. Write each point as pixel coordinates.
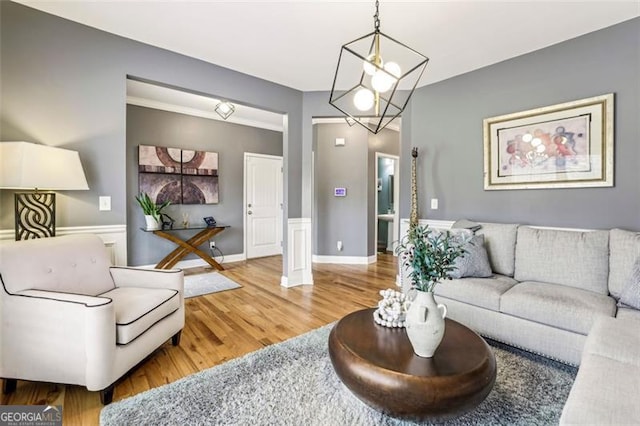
(138, 309)
(70, 264)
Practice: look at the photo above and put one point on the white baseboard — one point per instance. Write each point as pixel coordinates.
(197, 263)
(114, 237)
(345, 260)
(285, 282)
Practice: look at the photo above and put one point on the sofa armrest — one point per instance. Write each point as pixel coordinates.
(57, 337)
(149, 278)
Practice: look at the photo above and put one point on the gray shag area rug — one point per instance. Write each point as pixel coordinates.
(293, 383)
(210, 282)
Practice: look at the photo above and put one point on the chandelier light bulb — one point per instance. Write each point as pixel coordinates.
(382, 81)
(363, 99)
(393, 69)
(369, 66)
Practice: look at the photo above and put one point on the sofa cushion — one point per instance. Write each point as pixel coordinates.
(615, 338)
(76, 264)
(500, 242)
(628, 314)
(624, 249)
(604, 393)
(138, 309)
(559, 306)
(575, 259)
(482, 292)
(630, 296)
(474, 262)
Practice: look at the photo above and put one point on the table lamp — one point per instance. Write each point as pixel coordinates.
(34, 167)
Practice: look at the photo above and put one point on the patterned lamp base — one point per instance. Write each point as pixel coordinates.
(35, 215)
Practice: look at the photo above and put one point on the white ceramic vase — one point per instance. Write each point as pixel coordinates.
(152, 223)
(425, 324)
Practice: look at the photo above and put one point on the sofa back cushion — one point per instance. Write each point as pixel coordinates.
(624, 249)
(71, 264)
(575, 259)
(500, 242)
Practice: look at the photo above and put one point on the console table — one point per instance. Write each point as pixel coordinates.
(189, 246)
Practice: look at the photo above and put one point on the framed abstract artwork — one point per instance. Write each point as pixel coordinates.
(568, 145)
(178, 175)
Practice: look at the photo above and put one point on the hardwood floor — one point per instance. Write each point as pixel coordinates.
(228, 324)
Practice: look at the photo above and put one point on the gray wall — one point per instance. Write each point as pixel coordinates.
(146, 126)
(447, 127)
(64, 84)
(351, 219)
(341, 218)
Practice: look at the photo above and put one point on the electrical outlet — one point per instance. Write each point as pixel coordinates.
(212, 244)
(339, 245)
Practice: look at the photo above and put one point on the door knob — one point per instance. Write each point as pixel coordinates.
(248, 205)
(249, 212)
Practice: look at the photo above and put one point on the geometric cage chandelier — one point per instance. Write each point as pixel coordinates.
(375, 78)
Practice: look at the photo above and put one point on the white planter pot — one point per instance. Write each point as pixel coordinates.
(152, 223)
(425, 324)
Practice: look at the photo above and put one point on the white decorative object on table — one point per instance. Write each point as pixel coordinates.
(391, 310)
(425, 323)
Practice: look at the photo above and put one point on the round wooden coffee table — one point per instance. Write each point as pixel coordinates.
(379, 366)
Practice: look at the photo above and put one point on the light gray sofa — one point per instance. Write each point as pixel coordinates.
(607, 387)
(548, 287)
(555, 292)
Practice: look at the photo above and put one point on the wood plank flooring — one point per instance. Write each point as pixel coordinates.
(222, 326)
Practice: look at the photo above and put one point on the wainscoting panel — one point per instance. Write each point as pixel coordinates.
(299, 253)
(114, 237)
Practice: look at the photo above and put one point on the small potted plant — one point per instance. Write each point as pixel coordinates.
(151, 210)
(430, 257)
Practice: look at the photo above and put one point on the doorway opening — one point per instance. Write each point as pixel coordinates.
(386, 202)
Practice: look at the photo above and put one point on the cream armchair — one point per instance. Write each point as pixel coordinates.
(69, 317)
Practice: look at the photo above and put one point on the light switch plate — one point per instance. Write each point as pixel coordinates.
(434, 204)
(104, 203)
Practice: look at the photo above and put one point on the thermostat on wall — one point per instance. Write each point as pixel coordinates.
(340, 192)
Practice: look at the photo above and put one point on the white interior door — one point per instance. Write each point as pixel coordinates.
(263, 205)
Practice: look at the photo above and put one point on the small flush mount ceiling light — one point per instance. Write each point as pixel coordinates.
(225, 109)
(376, 76)
(350, 120)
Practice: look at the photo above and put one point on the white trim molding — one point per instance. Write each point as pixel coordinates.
(299, 265)
(114, 237)
(197, 263)
(395, 126)
(345, 260)
(196, 112)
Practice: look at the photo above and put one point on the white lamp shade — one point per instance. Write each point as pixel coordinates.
(26, 165)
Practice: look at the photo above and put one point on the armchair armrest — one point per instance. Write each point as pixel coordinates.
(44, 330)
(82, 299)
(149, 278)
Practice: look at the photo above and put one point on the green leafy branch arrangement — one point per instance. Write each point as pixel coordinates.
(430, 255)
(149, 207)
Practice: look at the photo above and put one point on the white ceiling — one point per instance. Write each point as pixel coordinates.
(167, 99)
(296, 43)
